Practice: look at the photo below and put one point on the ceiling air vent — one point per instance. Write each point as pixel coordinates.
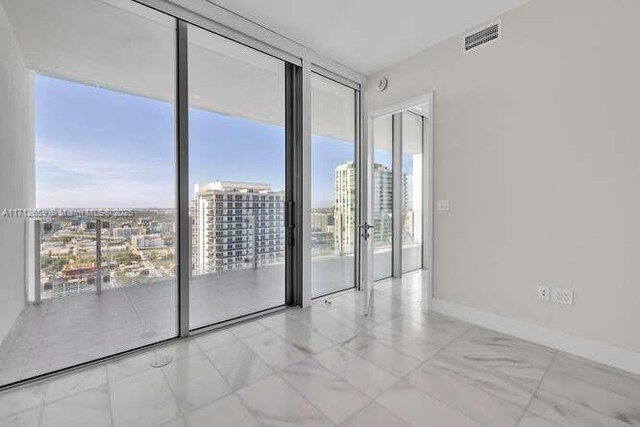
(484, 36)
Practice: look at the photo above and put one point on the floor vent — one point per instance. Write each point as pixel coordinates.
(486, 35)
(160, 361)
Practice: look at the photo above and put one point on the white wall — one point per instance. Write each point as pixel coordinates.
(538, 149)
(17, 175)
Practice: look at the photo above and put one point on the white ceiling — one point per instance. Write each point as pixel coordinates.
(120, 45)
(369, 35)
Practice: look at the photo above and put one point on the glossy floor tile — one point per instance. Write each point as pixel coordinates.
(382, 355)
(274, 402)
(325, 390)
(303, 337)
(76, 382)
(226, 412)
(328, 365)
(275, 351)
(75, 410)
(195, 382)
(471, 400)
(142, 400)
(417, 408)
(239, 365)
(362, 374)
(374, 415)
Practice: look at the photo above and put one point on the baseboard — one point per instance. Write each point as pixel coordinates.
(588, 349)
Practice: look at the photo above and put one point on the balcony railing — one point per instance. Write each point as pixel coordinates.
(71, 256)
(77, 255)
(80, 255)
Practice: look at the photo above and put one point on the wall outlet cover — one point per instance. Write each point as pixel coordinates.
(562, 296)
(443, 206)
(543, 293)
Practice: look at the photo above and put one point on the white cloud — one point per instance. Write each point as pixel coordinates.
(86, 179)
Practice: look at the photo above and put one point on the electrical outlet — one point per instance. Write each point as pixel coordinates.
(543, 293)
(562, 296)
(444, 206)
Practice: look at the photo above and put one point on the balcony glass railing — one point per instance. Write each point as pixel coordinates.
(88, 254)
(81, 254)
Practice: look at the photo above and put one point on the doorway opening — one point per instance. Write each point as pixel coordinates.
(400, 190)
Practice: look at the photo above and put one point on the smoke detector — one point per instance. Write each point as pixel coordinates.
(383, 83)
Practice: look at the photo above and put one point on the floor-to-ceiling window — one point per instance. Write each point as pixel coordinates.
(333, 186)
(382, 194)
(104, 99)
(236, 178)
(100, 252)
(411, 180)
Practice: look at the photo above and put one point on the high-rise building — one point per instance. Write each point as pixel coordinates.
(382, 204)
(411, 223)
(123, 232)
(147, 241)
(236, 225)
(344, 205)
(322, 220)
(322, 231)
(344, 199)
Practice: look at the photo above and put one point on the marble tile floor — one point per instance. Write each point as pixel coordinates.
(327, 365)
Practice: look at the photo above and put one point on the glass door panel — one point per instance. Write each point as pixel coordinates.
(333, 186)
(237, 179)
(99, 263)
(382, 197)
(412, 221)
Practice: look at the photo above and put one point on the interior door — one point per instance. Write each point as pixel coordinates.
(366, 228)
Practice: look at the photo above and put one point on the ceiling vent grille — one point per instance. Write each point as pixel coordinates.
(484, 36)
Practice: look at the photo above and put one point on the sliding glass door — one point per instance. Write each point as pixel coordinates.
(153, 181)
(96, 273)
(236, 179)
(333, 186)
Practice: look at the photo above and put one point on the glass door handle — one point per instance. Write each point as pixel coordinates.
(289, 224)
(364, 230)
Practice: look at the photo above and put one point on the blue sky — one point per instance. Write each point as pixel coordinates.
(101, 148)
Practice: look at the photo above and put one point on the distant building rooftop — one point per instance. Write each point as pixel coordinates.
(231, 186)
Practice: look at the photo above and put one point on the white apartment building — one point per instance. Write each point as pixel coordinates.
(344, 197)
(322, 221)
(382, 204)
(344, 208)
(147, 241)
(124, 232)
(236, 225)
